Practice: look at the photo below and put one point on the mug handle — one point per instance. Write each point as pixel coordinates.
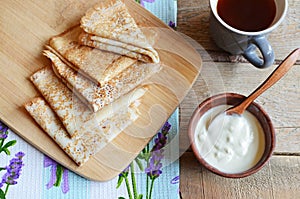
(264, 47)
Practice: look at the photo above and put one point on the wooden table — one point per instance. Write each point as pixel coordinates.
(221, 72)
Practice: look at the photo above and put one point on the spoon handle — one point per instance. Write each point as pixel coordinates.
(278, 73)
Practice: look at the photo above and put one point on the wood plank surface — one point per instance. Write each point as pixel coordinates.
(193, 20)
(25, 28)
(281, 102)
(278, 179)
(223, 72)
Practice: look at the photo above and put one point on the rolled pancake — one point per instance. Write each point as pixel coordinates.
(116, 47)
(77, 118)
(97, 65)
(96, 97)
(112, 28)
(80, 149)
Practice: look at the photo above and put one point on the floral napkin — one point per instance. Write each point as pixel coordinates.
(27, 173)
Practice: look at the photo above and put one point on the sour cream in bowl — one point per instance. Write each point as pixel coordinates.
(231, 146)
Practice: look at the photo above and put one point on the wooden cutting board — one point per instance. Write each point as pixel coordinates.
(26, 26)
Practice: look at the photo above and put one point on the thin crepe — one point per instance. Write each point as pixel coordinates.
(80, 150)
(70, 110)
(96, 97)
(97, 65)
(50, 123)
(109, 26)
(77, 118)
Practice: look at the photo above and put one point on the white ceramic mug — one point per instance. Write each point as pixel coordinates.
(237, 41)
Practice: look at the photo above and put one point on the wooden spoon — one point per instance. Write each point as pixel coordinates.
(277, 74)
(216, 124)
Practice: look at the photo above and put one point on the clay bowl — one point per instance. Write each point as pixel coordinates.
(255, 109)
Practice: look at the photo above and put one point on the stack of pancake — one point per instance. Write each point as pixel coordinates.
(94, 87)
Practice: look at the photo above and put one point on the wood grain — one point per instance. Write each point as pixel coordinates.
(278, 179)
(25, 28)
(274, 77)
(222, 72)
(193, 20)
(281, 101)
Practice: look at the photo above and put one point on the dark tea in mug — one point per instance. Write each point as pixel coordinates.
(247, 15)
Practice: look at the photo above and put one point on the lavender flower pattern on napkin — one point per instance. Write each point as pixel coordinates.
(152, 158)
(142, 2)
(13, 170)
(59, 175)
(47, 179)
